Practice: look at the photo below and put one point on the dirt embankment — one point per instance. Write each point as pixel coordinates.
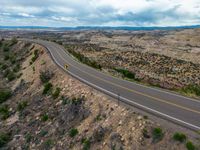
(49, 109)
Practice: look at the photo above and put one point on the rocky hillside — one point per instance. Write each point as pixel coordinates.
(41, 107)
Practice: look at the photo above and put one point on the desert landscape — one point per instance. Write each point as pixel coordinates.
(44, 108)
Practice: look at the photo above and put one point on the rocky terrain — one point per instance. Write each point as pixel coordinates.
(41, 107)
(167, 59)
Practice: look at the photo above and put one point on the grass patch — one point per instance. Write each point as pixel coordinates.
(179, 137)
(22, 105)
(47, 87)
(4, 112)
(4, 138)
(73, 132)
(4, 95)
(56, 93)
(157, 134)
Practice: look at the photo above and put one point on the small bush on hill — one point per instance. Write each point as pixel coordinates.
(4, 138)
(13, 41)
(48, 144)
(73, 132)
(6, 48)
(16, 68)
(125, 73)
(35, 55)
(6, 56)
(190, 146)
(22, 105)
(86, 144)
(179, 137)
(44, 117)
(11, 76)
(4, 95)
(84, 59)
(47, 87)
(4, 112)
(157, 134)
(4, 66)
(45, 76)
(56, 93)
(192, 89)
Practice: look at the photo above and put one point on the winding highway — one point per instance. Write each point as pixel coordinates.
(178, 109)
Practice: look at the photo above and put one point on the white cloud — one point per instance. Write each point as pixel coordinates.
(100, 12)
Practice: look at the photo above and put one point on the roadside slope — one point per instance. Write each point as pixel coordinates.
(79, 117)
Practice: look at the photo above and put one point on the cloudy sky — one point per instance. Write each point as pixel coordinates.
(63, 13)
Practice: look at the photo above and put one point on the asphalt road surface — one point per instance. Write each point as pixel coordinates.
(178, 109)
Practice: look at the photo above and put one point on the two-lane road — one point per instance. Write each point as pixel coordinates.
(181, 110)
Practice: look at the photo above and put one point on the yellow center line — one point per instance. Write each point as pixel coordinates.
(133, 91)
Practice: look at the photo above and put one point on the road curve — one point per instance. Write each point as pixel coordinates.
(178, 109)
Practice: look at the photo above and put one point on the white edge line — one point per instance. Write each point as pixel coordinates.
(147, 87)
(115, 95)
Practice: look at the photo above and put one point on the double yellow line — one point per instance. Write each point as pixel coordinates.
(130, 90)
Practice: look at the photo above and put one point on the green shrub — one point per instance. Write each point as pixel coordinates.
(86, 144)
(12, 59)
(56, 93)
(190, 146)
(4, 138)
(65, 100)
(6, 56)
(157, 134)
(192, 89)
(98, 117)
(16, 68)
(35, 55)
(125, 73)
(84, 59)
(73, 132)
(48, 143)
(45, 76)
(4, 112)
(47, 87)
(43, 133)
(4, 95)
(145, 133)
(22, 105)
(179, 137)
(13, 41)
(6, 48)
(6, 72)
(28, 137)
(44, 117)
(11, 76)
(4, 66)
